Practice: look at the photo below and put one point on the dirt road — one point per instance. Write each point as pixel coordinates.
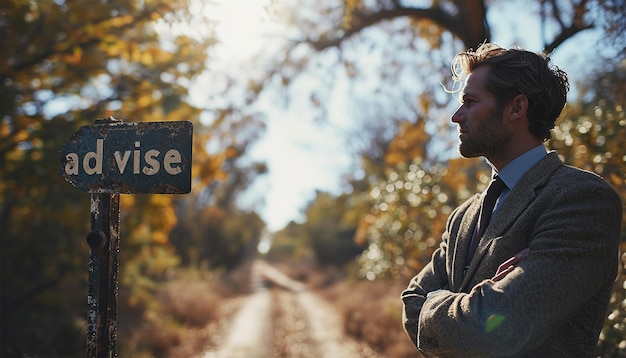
(285, 321)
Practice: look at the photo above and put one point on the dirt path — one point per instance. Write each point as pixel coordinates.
(285, 321)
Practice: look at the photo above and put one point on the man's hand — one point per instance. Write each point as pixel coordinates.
(508, 265)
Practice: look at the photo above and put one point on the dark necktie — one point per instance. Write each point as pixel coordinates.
(493, 192)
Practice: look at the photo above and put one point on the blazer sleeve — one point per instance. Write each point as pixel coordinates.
(573, 256)
(432, 277)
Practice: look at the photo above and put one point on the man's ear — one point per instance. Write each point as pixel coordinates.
(519, 106)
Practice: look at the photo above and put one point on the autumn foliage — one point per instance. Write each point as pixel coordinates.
(64, 64)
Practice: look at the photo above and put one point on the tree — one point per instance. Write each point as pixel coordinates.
(215, 237)
(290, 244)
(211, 230)
(393, 56)
(465, 20)
(65, 64)
(333, 39)
(330, 228)
(408, 213)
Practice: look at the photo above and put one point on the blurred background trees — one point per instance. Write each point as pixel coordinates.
(398, 53)
(65, 64)
(409, 166)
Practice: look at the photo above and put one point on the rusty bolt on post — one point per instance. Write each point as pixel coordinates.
(96, 239)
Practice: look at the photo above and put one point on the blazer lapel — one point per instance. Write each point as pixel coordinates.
(520, 197)
(461, 244)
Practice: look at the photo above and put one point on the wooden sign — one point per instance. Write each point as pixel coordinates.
(130, 158)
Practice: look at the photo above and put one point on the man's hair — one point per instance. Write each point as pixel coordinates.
(516, 71)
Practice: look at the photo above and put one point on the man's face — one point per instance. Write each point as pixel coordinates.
(481, 128)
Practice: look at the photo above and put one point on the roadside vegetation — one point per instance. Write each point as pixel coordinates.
(184, 259)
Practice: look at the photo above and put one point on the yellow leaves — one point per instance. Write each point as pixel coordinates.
(231, 152)
(79, 55)
(616, 180)
(351, 6)
(147, 99)
(126, 202)
(10, 140)
(5, 129)
(160, 213)
(144, 100)
(213, 214)
(131, 51)
(120, 21)
(408, 144)
(143, 271)
(160, 238)
(112, 45)
(184, 44)
(465, 171)
(410, 207)
(155, 16)
(147, 58)
(150, 218)
(135, 53)
(424, 102)
(209, 169)
(182, 112)
(76, 56)
(428, 30)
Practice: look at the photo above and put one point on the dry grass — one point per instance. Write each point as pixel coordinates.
(189, 303)
(372, 313)
(189, 315)
(156, 339)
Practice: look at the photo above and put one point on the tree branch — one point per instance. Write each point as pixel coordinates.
(577, 25)
(145, 15)
(468, 24)
(564, 35)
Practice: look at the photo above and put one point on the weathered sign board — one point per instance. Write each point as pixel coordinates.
(130, 158)
(110, 158)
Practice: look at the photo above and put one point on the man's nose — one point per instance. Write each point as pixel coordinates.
(457, 115)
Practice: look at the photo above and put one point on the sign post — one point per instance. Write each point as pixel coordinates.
(104, 247)
(111, 158)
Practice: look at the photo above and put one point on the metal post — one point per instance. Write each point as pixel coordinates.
(103, 241)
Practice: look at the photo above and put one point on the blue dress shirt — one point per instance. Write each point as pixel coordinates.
(514, 171)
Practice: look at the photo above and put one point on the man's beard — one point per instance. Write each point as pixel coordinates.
(490, 139)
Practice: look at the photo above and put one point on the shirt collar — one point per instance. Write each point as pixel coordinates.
(514, 171)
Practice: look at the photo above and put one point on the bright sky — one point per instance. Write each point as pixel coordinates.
(301, 155)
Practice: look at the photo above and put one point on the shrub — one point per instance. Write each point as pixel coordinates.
(376, 318)
(189, 303)
(178, 321)
(157, 338)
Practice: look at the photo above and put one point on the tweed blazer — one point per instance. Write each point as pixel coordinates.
(553, 302)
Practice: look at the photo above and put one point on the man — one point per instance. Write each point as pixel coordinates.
(537, 281)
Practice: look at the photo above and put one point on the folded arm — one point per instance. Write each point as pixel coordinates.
(433, 277)
(572, 256)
